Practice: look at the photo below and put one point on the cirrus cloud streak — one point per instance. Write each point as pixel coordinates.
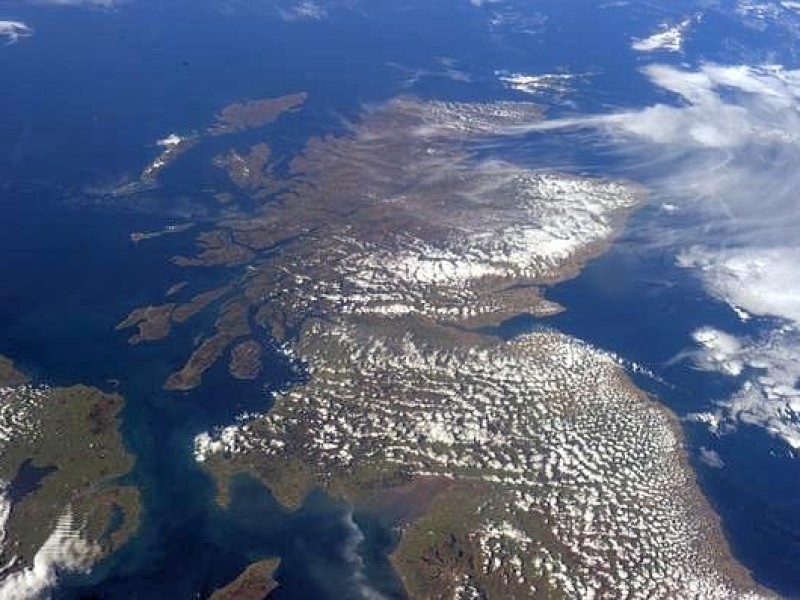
(723, 150)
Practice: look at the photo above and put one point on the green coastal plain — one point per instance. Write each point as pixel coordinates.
(64, 455)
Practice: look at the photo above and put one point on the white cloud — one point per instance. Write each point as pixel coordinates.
(306, 10)
(13, 30)
(724, 152)
(350, 553)
(63, 550)
(5, 512)
(768, 369)
(173, 139)
(720, 351)
(559, 83)
(760, 281)
(669, 38)
(711, 458)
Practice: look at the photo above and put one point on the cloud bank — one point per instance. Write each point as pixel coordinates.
(723, 151)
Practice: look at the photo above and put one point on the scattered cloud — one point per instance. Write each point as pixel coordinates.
(511, 17)
(13, 30)
(767, 368)
(90, 3)
(722, 150)
(306, 10)
(711, 458)
(446, 69)
(538, 84)
(669, 38)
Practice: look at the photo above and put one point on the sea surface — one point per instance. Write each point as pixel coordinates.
(87, 96)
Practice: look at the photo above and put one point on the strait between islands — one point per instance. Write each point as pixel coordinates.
(529, 468)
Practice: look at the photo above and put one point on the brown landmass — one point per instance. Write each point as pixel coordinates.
(168, 156)
(233, 118)
(9, 375)
(247, 171)
(255, 582)
(254, 113)
(197, 304)
(245, 360)
(71, 435)
(153, 323)
(140, 236)
(218, 249)
(231, 324)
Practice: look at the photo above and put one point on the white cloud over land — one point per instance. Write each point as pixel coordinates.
(65, 550)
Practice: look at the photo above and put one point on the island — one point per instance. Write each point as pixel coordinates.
(231, 119)
(254, 113)
(254, 583)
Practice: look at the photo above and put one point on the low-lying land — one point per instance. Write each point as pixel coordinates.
(62, 457)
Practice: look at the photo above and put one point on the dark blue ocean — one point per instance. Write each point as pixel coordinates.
(83, 101)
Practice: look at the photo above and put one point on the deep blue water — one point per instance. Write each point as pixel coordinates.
(645, 309)
(83, 101)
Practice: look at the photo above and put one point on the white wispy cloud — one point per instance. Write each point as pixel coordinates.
(306, 10)
(350, 552)
(64, 550)
(90, 3)
(668, 38)
(14, 30)
(540, 83)
(723, 149)
(759, 281)
(768, 368)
